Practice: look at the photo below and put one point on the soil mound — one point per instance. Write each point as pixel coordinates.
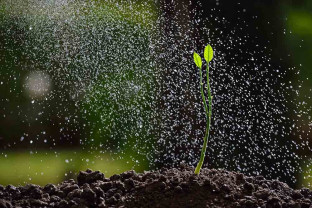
(177, 187)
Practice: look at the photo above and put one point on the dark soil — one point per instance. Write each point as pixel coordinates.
(164, 188)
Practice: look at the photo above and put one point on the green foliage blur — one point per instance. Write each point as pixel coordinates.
(298, 41)
(109, 141)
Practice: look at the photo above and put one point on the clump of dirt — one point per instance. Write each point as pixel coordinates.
(177, 187)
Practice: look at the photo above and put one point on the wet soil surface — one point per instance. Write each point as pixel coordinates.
(163, 188)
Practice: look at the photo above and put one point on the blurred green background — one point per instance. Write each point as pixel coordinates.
(71, 85)
(68, 71)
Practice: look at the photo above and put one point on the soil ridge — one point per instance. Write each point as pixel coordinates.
(175, 187)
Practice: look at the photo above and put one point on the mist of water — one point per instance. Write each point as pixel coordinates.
(118, 78)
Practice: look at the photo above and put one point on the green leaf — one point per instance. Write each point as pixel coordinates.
(208, 53)
(197, 60)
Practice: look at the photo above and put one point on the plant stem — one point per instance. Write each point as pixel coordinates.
(208, 116)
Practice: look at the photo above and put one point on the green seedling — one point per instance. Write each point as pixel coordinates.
(208, 55)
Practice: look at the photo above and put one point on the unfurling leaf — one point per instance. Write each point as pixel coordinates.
(208, 53)
(197, 60)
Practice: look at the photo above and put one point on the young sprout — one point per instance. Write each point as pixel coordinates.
(208, 55)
